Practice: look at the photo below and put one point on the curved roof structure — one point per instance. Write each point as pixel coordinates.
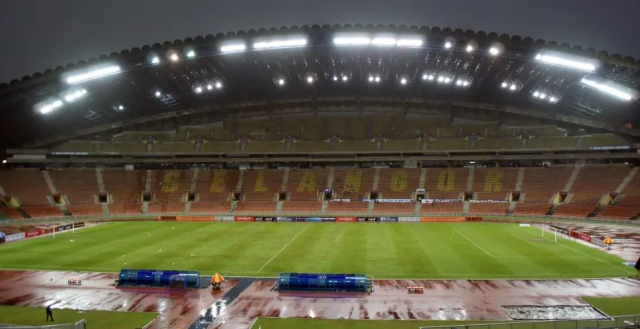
(411, 66)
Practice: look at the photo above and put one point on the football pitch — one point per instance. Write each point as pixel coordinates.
(381, 250)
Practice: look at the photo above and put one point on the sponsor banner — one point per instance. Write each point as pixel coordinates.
(584, 237)
(488, 201)
(194, 218)
(166, 218)
(78, 224)
(346, 219)
(328, 219)
(525, 225)
(561, 230)
(243, 219)
(284, 219)
(265, 219)
(340, 200)
(388, 219)
(473, 219)
(393, 200)
(224, 218)
(31, 234)
(367, 219)
(408, 219)
(442, 219)
(63, 228)
(440, 200)
(14, 237)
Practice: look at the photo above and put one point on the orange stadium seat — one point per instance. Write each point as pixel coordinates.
(619, 212)
(262, 184)
(223, 207)
(85, 209)
(306, 184)
(80, 186)
(540, 184)
(347, 207)
(256, 207)
(125, 208)
(27, 185)
(11, 213)
(594, 182)
(394, 208)
(532, 209)
(354, 184)
(574, 210)
(488, 208)
(494, 183)
(43, 211)
(170, 207)
(446, 183)
(124, 186)
(398, 183)
(450, 207)
(302, 206)
(631, 193)
(170, 185)
(216, 185)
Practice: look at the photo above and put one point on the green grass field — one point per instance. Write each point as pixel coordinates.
(382, 250)
(611, 306)
(36, 316)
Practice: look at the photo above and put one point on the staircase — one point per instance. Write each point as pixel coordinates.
(465, 207)
(472, 172)
(376, 179)
(325, 205)
(285, 180)
(105, 209)
(331, 177)
(371, 207)
(47, 179)
(552, 210)
(627, 180)
(100, 180)
(596, 211)
(279, 205)
(512, 207)
(417, 208)
(187, 208)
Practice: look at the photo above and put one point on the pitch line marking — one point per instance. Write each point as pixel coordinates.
(285, 246)
(529, 242)
(475, 244)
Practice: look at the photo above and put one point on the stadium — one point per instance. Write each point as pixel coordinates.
(360, 176)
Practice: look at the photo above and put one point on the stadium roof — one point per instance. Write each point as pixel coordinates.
(307, 64)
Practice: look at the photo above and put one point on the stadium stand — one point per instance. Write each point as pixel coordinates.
(594, 182)
(446, 183)
(398, 183)
(125, 209)
(85, 210)
(574, 210)
(170, 185)
(354, 184)
(394, 208)
(261, 184)
(306, 184)
(28, 186)
(255, 207)
(540, 184)
(79, 186)
(43, 211)
(630, 195)
(302, 207)
(494, 183)
(124, 186)
(619, 212)
(531, 209)
(170, 207)
(222, 207)
(216, 185)
(488, 208)
(437, 207)
(11, 213)
(347, 207)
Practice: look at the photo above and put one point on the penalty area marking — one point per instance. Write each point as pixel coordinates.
(486, 252)
(285, 246)
(527, 241)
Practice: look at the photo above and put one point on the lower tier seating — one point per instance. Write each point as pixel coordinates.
(222, 207)
(43, 211)
(347, 207)
(488, 208)
(450, 207)
(394, 208)
(11, 213)
(574, 210)
(85, 209)
(302, 207)
(170, 207)
(255, 207)
(532, 209)
(125, 208)
(619, 212)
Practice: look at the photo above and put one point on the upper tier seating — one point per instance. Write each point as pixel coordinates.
(354, 184)
(216, 185)
(540, 184)
(494, 183)
(398, 183)
(124, 186)
(262, 184)
(170, 185)
(306, 184)
(80, 186)
(28, 186)
(593, 182)
(631, 193)
(446, 183)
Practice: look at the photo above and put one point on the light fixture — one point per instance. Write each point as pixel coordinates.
(611, 88)
(536, 94)
(567, 60)
(91, 74)
(281, 43)
(120, 108)
(174, 57)
(370, 79)
(410, 42)
(345, 78)
(377, 79)
(191, 54)
(158, 93)
(209, 87)
(504, 85)
(4, 161)
(281, 82)
(71, 97)
(494, 51)
(403, 81)
(469, 48)
(233, 48)
(155, 60)
(448, 45)
(309, 79)
(219, 85)
(553, 99)
(513, 87)
(198, 89)
(45, 108)
(351, 41)
(384, 41)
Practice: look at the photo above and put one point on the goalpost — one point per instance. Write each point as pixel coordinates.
(555, 232)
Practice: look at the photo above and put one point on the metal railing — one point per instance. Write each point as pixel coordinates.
(624, 321)
(82, 324)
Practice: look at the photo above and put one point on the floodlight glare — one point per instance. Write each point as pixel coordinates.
(309, 79)
(233, 48)
(504, 85)
(553, 99)
(219, 85)
(209, 87)
(469, 48)
(120, 107)
(75, 95)
(191, 54)
(351, 41)
(174, 57)
(335, 78)
(570, 61)
(158, 93)
(466, 83)
(345, 78)
(403, 81)
(448, 45)
(377, 79)
(494, 51)
(536, 94)
(609, 87)
(48, 107)
(513, 87)
(4, 161)
(281, 82)
(387, 42)
(543, 95)
(440, 79)
(91, 74)
(410, 42)
(447, 80)
(198, 89)
(280, 43)
(370, 79)
(155, 60)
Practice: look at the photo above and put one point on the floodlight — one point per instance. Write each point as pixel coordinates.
(459, 82)
(536, 94)
(403, 81)
(48, 107)
(553, 99)
(494, 51)
(281, 82)
(4, 161)
(543, 96)
(513, 87)
(609, 87)
(410, 42)
(120, 107)
(440, 79)
(377, 79)
(386, 42)
(158, 93)
(198, 89)
(335, 78)
(155, 60)
(309, 79)
(345, 78)
(469, 48)
(370, 79)
(447, 80)
(191, 54)
(284, 43)
(174, 57)
(209, 87)
(71, 97)
(504, 85)
(448, 45)
(232, 48)
(219, 85)
(91, 73)
(466, 83)
(351, 41)
(566, 60)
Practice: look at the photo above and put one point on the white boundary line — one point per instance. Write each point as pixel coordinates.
(486, 252)
(285, 246)
(529, 242)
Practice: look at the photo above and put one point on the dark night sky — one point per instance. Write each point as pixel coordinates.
(37, 35)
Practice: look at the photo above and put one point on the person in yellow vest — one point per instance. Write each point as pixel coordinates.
(216, 281)
(608, 241)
